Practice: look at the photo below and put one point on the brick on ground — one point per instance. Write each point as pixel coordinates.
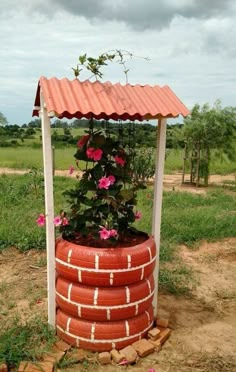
(61, 346)
(35, 367)
(77, 355)
(104, 358)
(117, 356)
(53, 357)
(154, 334)
(3, 367)
(130, 354)
(156, 344)
(143, 347)
(164, 335)
(162, 322)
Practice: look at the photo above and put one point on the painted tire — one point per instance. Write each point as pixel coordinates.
(105, 266)
(104, 303)
(103, 336)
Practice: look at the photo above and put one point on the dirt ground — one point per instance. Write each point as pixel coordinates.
(203, 326)
(170, 181)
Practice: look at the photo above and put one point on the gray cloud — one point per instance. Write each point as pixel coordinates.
(137, 14)
(144, 14)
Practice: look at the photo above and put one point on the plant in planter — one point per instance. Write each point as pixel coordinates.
(105, 284)
(103, 201)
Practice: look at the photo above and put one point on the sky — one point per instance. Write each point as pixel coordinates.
(190, 46)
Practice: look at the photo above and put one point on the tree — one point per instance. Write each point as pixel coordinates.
(207, 129)
(3, 120)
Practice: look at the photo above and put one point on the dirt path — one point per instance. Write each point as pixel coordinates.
(171, 181)
(203, 326)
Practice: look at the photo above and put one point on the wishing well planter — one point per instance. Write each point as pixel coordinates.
(104, 295)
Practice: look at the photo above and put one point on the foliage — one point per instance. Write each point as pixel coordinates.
(207, 129)
(3, 119)
(102, 204)
(144, 164)
(94, 65)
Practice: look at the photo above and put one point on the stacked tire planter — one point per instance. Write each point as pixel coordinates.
(104, 295)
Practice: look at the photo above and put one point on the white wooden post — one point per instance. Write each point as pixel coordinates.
(157, 204)
(49, 210)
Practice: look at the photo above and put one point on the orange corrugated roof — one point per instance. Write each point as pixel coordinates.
(76, 99)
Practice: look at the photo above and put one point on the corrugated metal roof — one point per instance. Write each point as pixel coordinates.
(76, 99)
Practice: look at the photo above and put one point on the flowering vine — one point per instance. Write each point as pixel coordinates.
(103, 200)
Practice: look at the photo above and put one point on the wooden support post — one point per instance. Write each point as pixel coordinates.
(49, 210)
(184, 162)
(157, 204)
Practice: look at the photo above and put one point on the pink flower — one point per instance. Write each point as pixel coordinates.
(71, 169)
(83, 140)
(65, 221)
(89, 152)
(113, 233)
(94, 154)
(112, 179)
(104, 233)
(57, 221)
(41, 220)
(138, 215)
(151, 370)
(119, 160)
(104, 183)
(97, 154)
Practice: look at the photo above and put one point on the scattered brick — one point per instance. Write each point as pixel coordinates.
(161, 322)
(77, 355)
(53, 357)
(62, 346)
(156, 344)
(154, 334)
(130, 354)
(35, 367)
(104, 358)
(164, 335)
(116, 356)
(3, 367)
(143, 347)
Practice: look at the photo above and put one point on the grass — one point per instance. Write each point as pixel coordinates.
(25, 341)
(28, 156)
(186, 219)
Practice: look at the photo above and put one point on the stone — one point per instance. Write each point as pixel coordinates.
(35, 367)
(154, 334)
(116, 356)
(143, 347)
(161, 322)
(164, 335)
(104, 358)
(130, 354)
(156, 344)
(3, 367)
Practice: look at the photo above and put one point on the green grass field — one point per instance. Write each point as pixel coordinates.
(26, 157)
(186, 218)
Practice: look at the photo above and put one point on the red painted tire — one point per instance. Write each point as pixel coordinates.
(104, 303)
(103, 336)
(105, 266)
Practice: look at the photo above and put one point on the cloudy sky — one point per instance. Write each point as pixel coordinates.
(190, 43)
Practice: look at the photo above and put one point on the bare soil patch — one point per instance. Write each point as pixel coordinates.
(170, 181)
(203, 326)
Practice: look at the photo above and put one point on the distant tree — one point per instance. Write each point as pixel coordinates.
(207, 129)
(3, 119)
(36, 123)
